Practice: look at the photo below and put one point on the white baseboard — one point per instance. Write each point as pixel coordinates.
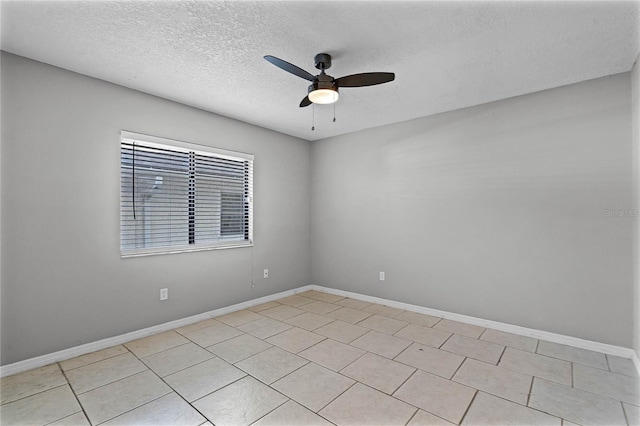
(509, 328)
(65, 354)
(40, 361)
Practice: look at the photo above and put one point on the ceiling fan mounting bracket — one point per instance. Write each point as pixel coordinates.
(323, 61)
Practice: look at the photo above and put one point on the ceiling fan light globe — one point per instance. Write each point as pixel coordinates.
(323, 96)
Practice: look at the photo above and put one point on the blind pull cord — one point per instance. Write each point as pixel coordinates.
(133, 180)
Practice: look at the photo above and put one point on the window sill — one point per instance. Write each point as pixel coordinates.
(181, 249)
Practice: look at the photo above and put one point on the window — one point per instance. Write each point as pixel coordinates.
(177, 197)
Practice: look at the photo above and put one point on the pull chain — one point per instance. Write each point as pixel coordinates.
(334, 112)
(313, 117)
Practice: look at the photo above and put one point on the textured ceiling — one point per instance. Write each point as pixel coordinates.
(446, 55)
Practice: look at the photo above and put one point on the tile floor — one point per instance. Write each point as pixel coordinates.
(320, 359)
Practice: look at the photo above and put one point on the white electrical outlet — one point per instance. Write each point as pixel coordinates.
(381, 276)
(266, 273)
(164, 293)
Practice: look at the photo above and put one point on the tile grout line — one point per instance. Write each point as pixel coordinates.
(468, 406)
(482, 334)
(337, 396)
(459, 366)
(624, 413)
(134, 408)
(443, 343)
(572, 373)
(74, 394)
(412, 417)
(94, 362)
(405, 381)
(530, 390)
(502, 354)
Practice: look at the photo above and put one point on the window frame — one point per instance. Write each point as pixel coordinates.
(191, 148)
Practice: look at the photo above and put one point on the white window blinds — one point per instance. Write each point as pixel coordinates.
(177, 197)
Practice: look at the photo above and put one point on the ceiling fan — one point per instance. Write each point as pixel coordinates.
(324, 88)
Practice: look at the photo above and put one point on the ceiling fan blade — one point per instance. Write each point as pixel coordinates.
(290, 68)
(305, 102)
(365, 79)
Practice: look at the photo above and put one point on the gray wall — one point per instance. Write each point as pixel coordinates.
(635, 119)
(63, 281)
(496, 211)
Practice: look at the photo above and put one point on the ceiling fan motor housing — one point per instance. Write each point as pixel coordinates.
(323, 81)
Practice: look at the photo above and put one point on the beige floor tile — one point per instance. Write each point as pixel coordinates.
(386, 311)
(237, 318)
(201, 379)
(30, 382)
(313, 386)
(575, 405)
(211, 335)
(353, 303)
(320, 308)
(507, 384)
(622, 366)
(378, 372)
(156, 343)
(474, 348)
(569, 353)
(362, 405)
(322, 296)
(430, 359)
(41, 408)
(167, 410)
(349, 315)
(381, 344)
(271, 365)
(239, 348)
(382, 324)
(491, 410)
(81, 361)
(422, 418)
(176, 359)
(309, 321)
(295, 339)
(281, 312)
(77, 419)
(292, 414)
(332, 354)
(295, 301)
(612, 385)
(456, 327)
(103, 372)
(633, 414)
(419, 319)
(264, 328)
(263, 306)
(197, 326)
(537, 365)
(436, 395)
(425, 335)
(524, 343)
(240, 403)
(116, 398)
(341, 331)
